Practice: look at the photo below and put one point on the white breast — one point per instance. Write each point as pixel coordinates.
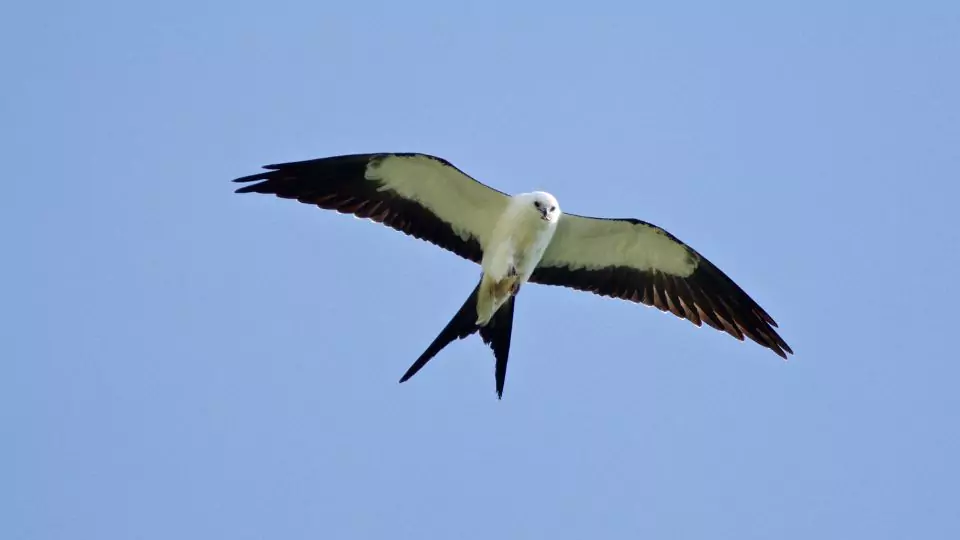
(519, 240)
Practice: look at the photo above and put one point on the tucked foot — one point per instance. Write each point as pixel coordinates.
(503, 288)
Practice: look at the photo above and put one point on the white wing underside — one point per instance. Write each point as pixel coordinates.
(592, 243)
(471, 208)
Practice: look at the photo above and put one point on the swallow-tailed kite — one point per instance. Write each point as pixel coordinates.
(517, 239)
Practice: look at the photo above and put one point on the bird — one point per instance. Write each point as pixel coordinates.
(518, 239)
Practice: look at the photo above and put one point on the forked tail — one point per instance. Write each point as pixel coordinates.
(496, 334)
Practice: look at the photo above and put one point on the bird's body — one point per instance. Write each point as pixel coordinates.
(520, 237)
(516, 240)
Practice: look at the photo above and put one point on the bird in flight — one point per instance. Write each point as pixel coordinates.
(519, 239)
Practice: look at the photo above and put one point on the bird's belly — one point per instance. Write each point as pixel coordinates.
(512, 259)
(506, 269)
(525, 262)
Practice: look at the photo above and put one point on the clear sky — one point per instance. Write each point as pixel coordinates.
(182, 362)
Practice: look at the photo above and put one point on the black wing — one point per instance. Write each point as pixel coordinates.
(420, 195)
(640, 262)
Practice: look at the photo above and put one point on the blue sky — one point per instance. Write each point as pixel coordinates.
(183, 362)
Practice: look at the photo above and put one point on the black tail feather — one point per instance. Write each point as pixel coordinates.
(463, 324)
(497, 335)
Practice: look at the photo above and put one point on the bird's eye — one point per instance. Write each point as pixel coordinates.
(536, 203)
(552, 208)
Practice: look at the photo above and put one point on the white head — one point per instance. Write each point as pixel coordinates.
(541, 202)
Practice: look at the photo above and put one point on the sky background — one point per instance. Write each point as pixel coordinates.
(178, 361)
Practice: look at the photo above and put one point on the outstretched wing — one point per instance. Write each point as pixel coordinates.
(640, 262)
(418, 194)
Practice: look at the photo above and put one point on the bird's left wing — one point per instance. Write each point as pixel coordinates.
(420, 195)
(640, 262)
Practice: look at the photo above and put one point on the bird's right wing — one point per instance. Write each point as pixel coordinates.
(418, 194)
(637, 261)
